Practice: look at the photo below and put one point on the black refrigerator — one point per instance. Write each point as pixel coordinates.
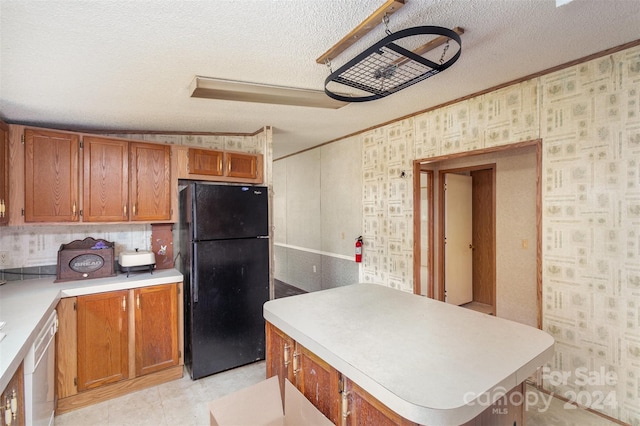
(224, 245)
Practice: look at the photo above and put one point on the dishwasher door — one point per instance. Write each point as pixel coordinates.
(39, 376)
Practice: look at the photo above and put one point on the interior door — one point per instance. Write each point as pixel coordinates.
(458, 253)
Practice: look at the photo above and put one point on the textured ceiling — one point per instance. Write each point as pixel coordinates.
(105, 64)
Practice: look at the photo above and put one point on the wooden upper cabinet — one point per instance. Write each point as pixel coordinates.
(205, 162)
(103, 339)
(150, 181)
(51, 176)
(156, 323)
(241, 165)
(106, 180)
(4, 173)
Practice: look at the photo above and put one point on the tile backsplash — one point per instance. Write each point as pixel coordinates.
(33, 250)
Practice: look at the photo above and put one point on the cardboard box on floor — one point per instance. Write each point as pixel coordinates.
(261, 405)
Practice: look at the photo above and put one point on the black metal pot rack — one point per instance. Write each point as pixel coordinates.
(386, 68)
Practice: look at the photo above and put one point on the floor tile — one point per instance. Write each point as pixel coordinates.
(186, 402)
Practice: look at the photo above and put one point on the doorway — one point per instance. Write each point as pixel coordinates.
(515, 224)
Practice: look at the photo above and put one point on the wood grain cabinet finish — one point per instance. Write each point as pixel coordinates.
(279, 356)
(51, 176)
(14, 390)
(120, 181)
(4, 173)
(156, 323)
(106, 180)
(103, 338)
(217, 166)
(205, 162)
(364, 409)
(318, 382)
(343, 401)
(241, 165)
(150, 175)
(110, 344)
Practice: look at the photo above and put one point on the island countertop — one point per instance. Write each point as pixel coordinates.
(26, 305)
(429, 361)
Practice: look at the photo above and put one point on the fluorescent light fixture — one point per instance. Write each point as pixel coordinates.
(230, 90)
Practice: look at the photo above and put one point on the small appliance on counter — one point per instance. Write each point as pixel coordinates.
(137, 260)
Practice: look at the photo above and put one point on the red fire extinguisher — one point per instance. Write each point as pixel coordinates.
(359, 249)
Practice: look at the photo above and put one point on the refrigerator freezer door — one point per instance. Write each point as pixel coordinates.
(226, 327)
(229, 211)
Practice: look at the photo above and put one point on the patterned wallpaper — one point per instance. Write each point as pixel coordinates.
(387, 205)
(590, 124)
(589, 119)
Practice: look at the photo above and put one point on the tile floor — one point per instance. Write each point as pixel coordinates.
(185, 402)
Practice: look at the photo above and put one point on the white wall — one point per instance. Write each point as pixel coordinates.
(318, 215)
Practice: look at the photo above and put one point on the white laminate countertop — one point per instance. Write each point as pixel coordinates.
(26, 305)
(429, 361)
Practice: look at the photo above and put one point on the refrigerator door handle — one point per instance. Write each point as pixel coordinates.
(194, 277)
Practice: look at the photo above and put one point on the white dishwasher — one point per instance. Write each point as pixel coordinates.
(39, 376)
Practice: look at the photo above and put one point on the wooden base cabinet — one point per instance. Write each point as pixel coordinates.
(312, 376)
(156, 325)
(110, 344)
(4, 173)
(12, 400)
(343, 401)
(103, 339)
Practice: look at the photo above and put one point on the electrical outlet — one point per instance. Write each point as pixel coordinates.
(5, 259)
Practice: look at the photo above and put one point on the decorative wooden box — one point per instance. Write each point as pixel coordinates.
(85, 259)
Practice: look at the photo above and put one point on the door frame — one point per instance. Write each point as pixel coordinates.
(416, 215)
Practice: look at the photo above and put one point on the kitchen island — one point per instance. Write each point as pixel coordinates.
(420, 360)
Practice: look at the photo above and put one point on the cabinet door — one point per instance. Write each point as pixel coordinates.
(106, 180)
(241, 165)
(150, 174)
(103, 339)
(14, 390)
(319, 383)
(279, 355)
(205, 162)
(4, 173)
(51, 176)
(156, 322)
(67, 348)
(363, 409)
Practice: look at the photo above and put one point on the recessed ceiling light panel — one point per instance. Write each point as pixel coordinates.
(230, 90)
